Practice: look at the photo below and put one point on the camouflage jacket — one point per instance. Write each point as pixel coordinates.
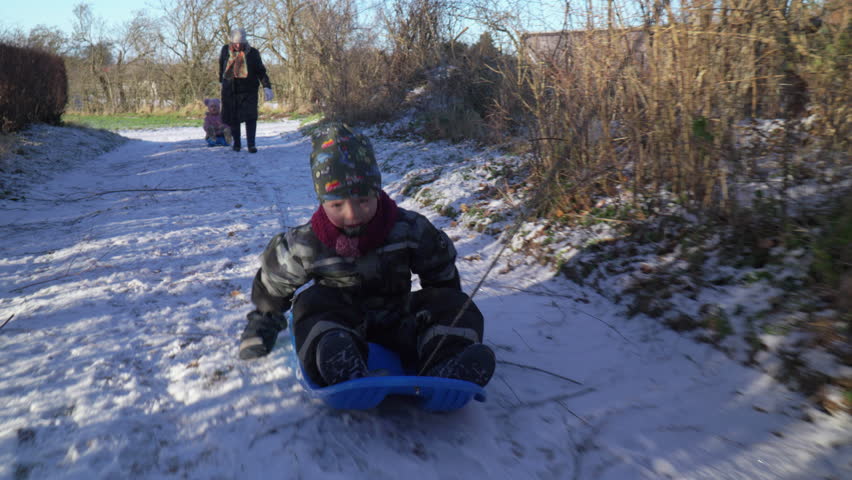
(378, 281)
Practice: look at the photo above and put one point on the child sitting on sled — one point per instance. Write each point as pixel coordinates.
(360, 250)
(217, 132)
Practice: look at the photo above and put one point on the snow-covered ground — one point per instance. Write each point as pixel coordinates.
(128, 277)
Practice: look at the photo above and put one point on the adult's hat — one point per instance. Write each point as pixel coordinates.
(343, 164)
(238, 35)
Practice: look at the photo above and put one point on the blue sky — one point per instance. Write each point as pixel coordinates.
(25, 14)
(29, 13)
(58, 13)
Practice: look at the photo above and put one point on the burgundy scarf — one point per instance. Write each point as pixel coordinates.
(374, 234)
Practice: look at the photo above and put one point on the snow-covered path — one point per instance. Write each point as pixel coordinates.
(129, 280)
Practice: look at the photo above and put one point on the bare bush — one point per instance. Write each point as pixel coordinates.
(346, 68)
(415, 32)
(657, 106)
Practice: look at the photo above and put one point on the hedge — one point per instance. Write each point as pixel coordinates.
(33, 87)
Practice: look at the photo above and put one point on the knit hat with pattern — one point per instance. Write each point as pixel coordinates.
(343, 164)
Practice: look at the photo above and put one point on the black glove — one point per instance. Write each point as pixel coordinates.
(260, 334)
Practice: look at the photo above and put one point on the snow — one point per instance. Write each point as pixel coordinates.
(129, 274)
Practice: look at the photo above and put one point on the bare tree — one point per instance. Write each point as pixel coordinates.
(135, 52)
(246, 14)
(189, 33)
(331, 25)
(415, 31)
(50, 39)
(93, 48)
(287, 30)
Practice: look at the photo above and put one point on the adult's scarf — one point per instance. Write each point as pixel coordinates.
(237, 67)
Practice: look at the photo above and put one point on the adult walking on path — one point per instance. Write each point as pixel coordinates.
(241, 71)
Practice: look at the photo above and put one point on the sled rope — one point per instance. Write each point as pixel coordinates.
(535, 202)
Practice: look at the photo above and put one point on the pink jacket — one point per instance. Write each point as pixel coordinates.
(213, 124)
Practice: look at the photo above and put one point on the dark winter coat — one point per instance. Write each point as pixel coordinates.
(239, 95)
(370, 296)
(379, 281)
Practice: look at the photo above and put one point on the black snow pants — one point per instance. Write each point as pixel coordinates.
(414, 336)
(251, 131)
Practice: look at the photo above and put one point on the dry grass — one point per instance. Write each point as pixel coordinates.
(658, 105)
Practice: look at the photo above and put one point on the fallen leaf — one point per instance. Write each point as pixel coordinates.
(236, 293)
(766, 243)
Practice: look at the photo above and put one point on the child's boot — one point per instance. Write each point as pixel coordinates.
(220, 140)
(338, 358)
(211, 142)
(473, 364)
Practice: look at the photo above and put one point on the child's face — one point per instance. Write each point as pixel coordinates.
(351, 212)
(213, 109)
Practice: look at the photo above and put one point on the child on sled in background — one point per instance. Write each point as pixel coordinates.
(217, 132)
(360, 250)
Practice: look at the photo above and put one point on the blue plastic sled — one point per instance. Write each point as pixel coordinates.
(219, 142)
(433, 394)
